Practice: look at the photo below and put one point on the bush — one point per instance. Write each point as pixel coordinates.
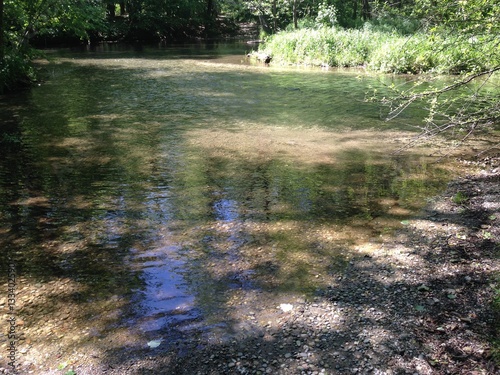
(16, 71)
(326, 45)
(384, 51)
(403, 55)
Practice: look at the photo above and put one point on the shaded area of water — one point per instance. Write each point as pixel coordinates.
(172, 183)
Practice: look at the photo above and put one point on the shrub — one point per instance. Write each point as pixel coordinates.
(389, 52)
(16, 71)
(400, 54)
(326, 45)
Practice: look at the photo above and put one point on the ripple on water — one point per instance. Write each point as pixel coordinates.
(164, 299)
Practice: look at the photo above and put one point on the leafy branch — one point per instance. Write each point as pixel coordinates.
(456, 110)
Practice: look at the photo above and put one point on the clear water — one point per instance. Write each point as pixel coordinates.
(182, 182)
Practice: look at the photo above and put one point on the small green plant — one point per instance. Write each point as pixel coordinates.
(62, 366)
(460, 198)
(487, 235)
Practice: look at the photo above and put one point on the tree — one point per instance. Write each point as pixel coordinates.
(467, 105)
(1, 33)
(23, 20)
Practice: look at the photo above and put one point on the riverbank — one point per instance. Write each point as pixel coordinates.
(418, 303)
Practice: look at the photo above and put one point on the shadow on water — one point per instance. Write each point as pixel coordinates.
(170, 200)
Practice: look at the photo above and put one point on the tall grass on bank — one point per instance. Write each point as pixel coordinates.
(383, 51)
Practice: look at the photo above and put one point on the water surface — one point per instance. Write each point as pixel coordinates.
(160, 192)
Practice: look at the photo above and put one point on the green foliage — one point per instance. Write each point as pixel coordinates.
(324, 46)
(156, 19)
(382, 51)
(24, 20)
(327, 15)
(16, 70)
(393, 20)
(76, 17)
(460, 198)
(429, 36)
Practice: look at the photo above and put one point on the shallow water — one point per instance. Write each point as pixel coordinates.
(168, 189)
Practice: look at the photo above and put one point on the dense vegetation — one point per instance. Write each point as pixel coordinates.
(381, 50)
(447, 37)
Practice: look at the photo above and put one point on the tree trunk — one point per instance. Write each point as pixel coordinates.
(2, 45)
(210, 17)
(275, 16)
(295, 20)
(2, 49)
(123, 11)
(366, 10)
(111, 10)
(355, 10)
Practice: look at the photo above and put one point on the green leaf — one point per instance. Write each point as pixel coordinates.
(487, 235)
(405, 222)
(62, 366)
(433, 362)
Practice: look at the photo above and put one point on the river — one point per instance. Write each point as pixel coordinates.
(154, 194)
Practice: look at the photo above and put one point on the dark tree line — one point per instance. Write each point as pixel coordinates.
(70, 20)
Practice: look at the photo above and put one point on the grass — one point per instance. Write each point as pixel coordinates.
(381, 50)
(460, 198)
